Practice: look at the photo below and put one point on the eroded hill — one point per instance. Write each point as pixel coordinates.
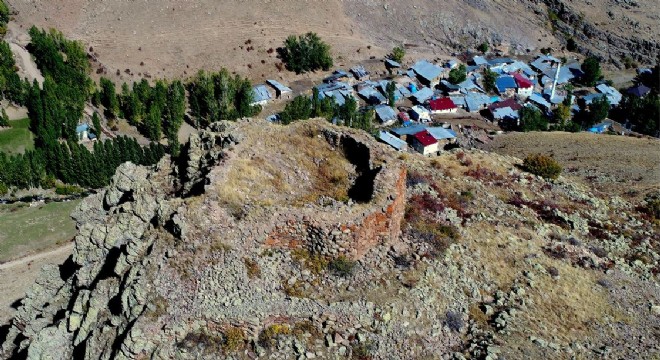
(312, 241)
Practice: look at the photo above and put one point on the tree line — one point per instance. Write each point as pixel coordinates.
(347, 114)
(73, 163)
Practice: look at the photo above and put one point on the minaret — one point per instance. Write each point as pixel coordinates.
(554, 83)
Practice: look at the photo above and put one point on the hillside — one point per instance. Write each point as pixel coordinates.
(174, 39)
(312, 241)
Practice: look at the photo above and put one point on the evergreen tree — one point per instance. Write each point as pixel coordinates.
(4, 119)
(489, 81)
(591, 69)
(96, 122)
(306, 53)
(391, 88)
(109, 97)
(532, 119)
(458, 75)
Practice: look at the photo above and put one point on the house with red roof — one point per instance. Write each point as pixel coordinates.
(442, 106)
(424, 143)
(525, 87)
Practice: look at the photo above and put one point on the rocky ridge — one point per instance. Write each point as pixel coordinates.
(463, 256)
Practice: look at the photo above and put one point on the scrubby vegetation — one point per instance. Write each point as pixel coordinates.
(542, 165)
(342, 266)
(269, 336)
(397, 54)
(458, 75)
(306, 53)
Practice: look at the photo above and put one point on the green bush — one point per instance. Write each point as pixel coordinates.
(306, 53)
(3, 189)
(542, 165)
(67, 189)
(342, 266)
(397, 54)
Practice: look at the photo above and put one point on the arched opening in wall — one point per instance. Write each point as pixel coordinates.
(358, 154)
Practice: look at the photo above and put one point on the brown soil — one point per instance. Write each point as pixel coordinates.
(613, 164)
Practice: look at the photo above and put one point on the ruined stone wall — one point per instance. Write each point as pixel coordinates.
(352, 238)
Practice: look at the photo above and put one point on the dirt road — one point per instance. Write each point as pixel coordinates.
(17, 276)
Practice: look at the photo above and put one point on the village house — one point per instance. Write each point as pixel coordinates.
(428, 73)
(506, 85)
(613, 95)
(260, 95)
(525, 87)
(639, 90)
(360, 73)
(385, 114)
(442, 136)
(443, 106)
(281, 91)
(392, 140)
(83, 132)
(419, 113)
(503, 109)
(422, 95)
(424, 143)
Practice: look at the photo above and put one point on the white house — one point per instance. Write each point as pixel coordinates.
(419, 113)
(424, 143)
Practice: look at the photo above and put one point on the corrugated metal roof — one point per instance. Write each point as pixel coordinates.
(422, 95)
(392, 64)
(261, 93)
(613, 95)
(409, 130)
(505, 113)
(505, 82)
(475, 101)
(459, 100)
(277, 85)
(480, 60)
(539, 99)
(371, 95)
(639, 90)
(385, 113)
(359, 71)
(425, 138)
(442, 104)
(427, 70)
(392, 140)
(82, 127)
(440, 133)
(588, 99)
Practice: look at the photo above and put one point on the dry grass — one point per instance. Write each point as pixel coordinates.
(278, 165)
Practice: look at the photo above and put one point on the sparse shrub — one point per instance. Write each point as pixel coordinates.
(542, 165)
(252, 267)
(552, 271)
(159, 309)
(483, 47)
(415, 178)
(315, 263)
(598, 251)
(66, 189)
(3, 189)
(604, 283)
(203, 341)
(463, 159)
(268, 337)
(439, 236)
(234, 339)
(342, 266)
(363, 350)
(651, 205)
(454, 321)
(293, 290)
(484, 174)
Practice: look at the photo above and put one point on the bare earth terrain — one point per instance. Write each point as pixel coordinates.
(612, 164)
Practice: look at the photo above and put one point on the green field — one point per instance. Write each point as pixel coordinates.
(18, 139)
(25, 229)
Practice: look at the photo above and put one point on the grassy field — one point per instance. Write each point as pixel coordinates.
(25, 229)
(17, 139)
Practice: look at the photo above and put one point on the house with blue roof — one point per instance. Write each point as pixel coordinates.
(392, 141)
(477, 102)
(385, 114)
(539, 100)
(427, 72)
(506, 85)
(422, 95)
(442, 135)
(260, 95)
(480, 61)
(613, 95)
(391, 64)
(281, 91)
(83, 131)
(336, 76)
(371, 95)
(413, 129)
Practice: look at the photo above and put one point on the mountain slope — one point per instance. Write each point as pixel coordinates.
(312, 241)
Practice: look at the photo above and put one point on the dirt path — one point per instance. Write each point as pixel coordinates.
(17, 38)
(17, 276)
(66, 249)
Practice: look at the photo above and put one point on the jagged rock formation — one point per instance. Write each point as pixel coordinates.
(312, 241)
